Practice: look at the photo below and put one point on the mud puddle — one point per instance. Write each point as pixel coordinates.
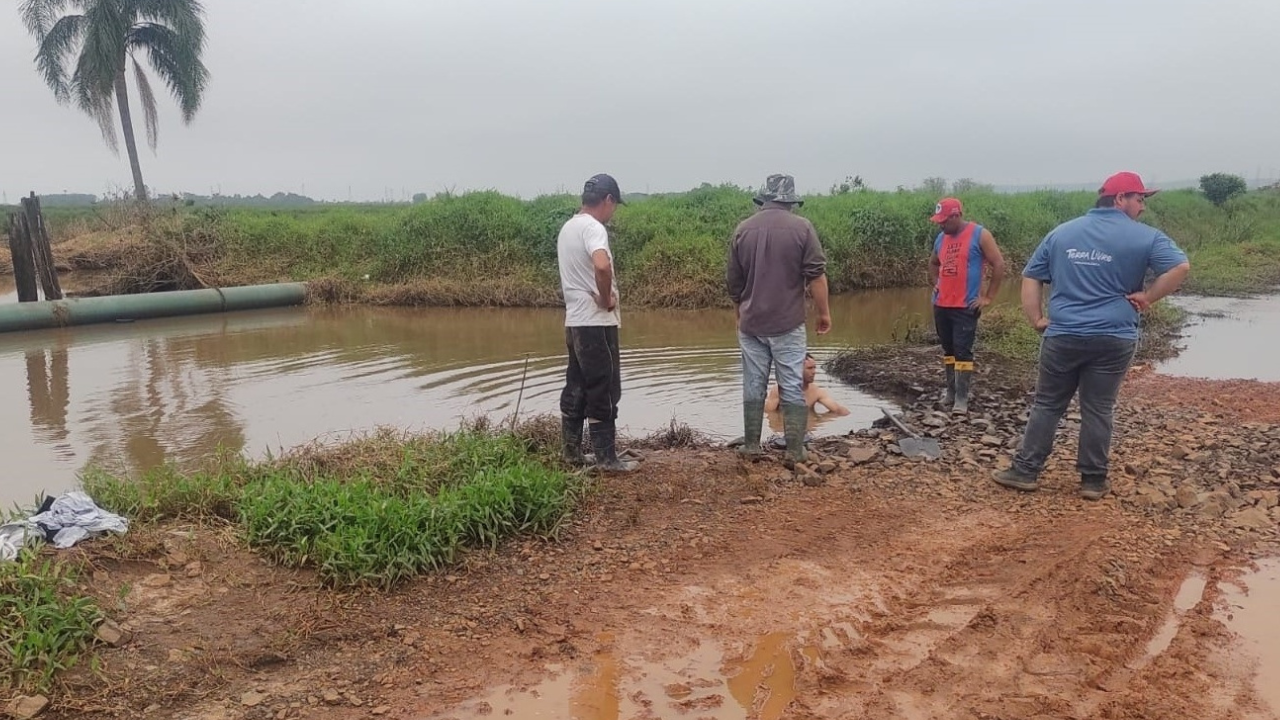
(1253, 613)
(1189, 595)
(707, 682)
(1228, 338)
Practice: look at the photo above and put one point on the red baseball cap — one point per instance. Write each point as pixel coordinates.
(946, 208)
(1124, 183)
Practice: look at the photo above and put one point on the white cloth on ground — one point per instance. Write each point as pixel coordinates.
(14, 535)
(74, 516)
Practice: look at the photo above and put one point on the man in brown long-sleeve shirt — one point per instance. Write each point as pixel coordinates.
(775, 254)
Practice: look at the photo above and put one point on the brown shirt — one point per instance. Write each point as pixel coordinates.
(774, 254)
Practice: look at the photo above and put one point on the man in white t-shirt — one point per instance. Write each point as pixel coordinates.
(593, 381)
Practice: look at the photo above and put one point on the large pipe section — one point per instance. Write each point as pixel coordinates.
(122, 308)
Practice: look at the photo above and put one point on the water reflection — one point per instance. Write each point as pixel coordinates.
(48, 394)
(165, 407)
(134, 395)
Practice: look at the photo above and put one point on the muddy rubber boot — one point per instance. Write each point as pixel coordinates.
(752, 422)
(604, 437)
(950, 397)
(964, 381)
(571, 443)
(795, 422)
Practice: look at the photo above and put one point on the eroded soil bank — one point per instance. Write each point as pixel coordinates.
(865, 585)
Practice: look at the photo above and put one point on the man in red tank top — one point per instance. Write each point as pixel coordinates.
(961, 252)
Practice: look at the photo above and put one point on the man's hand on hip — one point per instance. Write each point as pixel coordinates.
(1139, 301)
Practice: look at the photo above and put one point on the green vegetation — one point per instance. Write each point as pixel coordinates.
(83, 58)
(1234, 249)
(373, 512)
(1221, 187)
(45, 627)
(484, 248)
(1003, 331)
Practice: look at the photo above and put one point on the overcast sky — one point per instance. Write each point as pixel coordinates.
(370, 96)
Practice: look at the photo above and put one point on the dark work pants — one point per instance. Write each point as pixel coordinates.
(593, 380)
(1095, 366)
(957, 328)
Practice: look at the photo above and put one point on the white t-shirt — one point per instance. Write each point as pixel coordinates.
(581, 236)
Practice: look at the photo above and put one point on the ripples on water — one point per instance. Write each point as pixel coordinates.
(135, 395)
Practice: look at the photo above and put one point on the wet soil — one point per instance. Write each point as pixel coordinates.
(863, 584)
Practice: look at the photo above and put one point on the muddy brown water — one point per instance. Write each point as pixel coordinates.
(131, 396)
(1229, 338)
(701, 683)
(1251, 612)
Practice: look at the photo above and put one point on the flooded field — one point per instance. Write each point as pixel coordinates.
(132, 396)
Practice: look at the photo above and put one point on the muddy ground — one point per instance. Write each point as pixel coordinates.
(865, 585)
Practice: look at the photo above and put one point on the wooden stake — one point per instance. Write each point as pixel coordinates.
(24, 266)
(41, 248)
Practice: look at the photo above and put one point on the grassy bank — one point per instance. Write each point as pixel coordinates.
(372, 512)
(369, 513)
(484, 248)
(46, 627)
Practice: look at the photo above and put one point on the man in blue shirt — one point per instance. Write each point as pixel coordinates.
(1095, 266)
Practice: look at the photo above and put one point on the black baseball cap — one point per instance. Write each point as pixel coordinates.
(603, 184)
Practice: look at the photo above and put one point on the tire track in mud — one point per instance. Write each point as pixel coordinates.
(981, 620)
(846, 602)
(871, 618)
(964, 624)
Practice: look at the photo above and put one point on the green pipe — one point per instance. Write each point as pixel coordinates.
(118, 308)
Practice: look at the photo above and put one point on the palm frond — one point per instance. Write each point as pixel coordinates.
(96, 102)
(101, 61)
(40, 15)
(184, 17)
(56, 47)
(176, 61)
(102, 55)
(151, 118)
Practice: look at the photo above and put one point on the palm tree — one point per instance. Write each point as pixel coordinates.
(84, 57)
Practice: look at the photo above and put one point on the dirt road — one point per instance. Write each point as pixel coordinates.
(705, 588)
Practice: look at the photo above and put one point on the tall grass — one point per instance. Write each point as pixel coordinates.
(45, 627)
(375, 511)
(486, 248)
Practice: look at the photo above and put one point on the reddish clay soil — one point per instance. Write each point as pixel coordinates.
(1245, 400)
(703, 587)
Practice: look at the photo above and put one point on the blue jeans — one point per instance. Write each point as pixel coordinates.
(785, 352)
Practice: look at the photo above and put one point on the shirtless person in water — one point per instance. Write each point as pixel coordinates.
(813, 395)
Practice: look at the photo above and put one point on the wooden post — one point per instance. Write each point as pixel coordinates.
(41, 249)
(24, 266)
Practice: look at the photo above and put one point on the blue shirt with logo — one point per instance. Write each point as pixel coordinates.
(1092, 263)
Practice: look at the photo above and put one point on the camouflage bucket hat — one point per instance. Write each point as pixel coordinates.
(780, 189)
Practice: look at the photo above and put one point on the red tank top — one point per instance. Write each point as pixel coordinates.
(960, 271)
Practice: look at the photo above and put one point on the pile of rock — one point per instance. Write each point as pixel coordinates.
(1170, 460)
